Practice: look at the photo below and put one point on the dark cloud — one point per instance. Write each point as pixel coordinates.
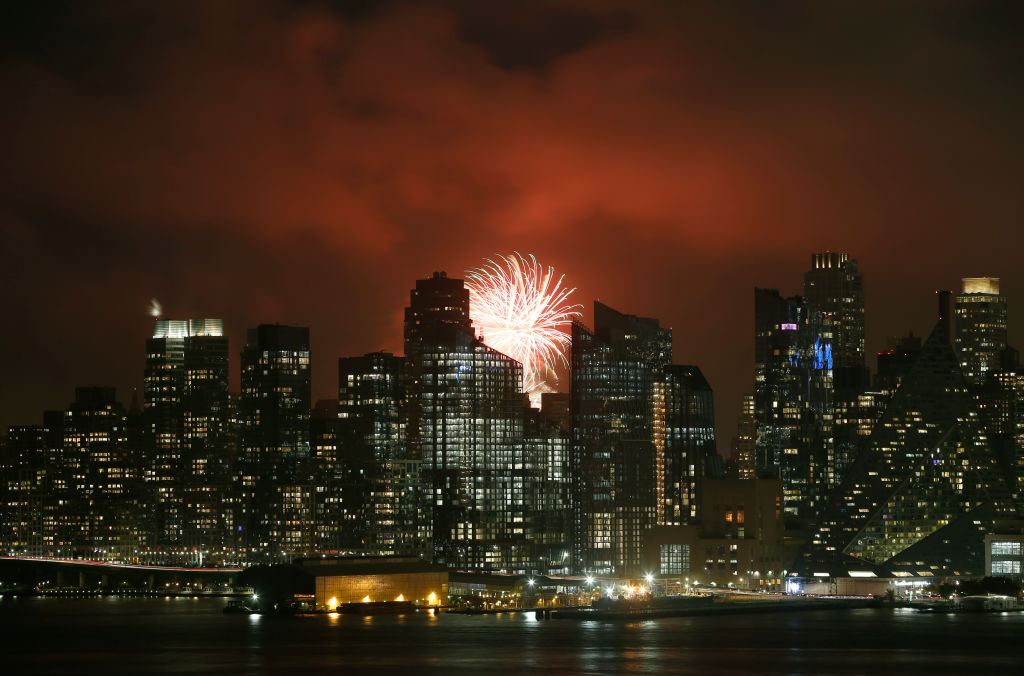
(305, 162)
(535, 34)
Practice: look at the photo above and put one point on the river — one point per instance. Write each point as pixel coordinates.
(192, 636)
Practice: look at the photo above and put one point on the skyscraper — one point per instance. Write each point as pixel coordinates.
(187, 434)
(465, 427)
(834, 286)
(95, 434)
(545, 476)
(436, 302)
(275, 479)
(614, 372)
(372, 418)
(980, 327)
(793, 398)
(685, 410)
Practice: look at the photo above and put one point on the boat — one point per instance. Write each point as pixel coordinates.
(237, 607)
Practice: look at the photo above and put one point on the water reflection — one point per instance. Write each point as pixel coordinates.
(130, 636)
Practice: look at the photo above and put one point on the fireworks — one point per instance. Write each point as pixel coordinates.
(521, 309)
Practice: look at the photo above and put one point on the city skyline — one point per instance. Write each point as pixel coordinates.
(438, 452)
(324, 376)
(665, 159)
(448, 336)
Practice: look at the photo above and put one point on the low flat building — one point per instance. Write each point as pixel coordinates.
(377, 579)
(495, 590)
(739, 540)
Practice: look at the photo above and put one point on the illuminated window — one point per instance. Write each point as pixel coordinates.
(675, 559)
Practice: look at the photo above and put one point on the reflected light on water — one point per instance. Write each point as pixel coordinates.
(167, 637)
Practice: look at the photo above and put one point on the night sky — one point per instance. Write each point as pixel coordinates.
(306, 162)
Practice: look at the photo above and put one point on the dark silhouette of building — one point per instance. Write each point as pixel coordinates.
(896, 362)
(435, 303)
(555, 406)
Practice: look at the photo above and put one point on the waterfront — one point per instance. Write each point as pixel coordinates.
(138, 635)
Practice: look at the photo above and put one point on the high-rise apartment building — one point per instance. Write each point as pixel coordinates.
(25, 490)
(615, 369)
(929, 486)
(684, 426)
(980, 327)
(465, 427)
(372, 418)
(332, 527)
(188, 439)
(96, 437)
(1000, 403)
(544, 473)
(275, 484)
(793, 399)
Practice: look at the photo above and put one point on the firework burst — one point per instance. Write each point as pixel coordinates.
(521, 309)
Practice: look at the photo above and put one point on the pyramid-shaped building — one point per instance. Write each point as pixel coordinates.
(926, 488)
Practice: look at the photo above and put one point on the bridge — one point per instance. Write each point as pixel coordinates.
(29, 572)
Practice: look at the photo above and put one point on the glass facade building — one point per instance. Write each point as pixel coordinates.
(793, 400)
(371, 416)
(465, 428)
(614, 373)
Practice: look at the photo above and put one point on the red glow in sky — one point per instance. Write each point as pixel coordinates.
(295, 163)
